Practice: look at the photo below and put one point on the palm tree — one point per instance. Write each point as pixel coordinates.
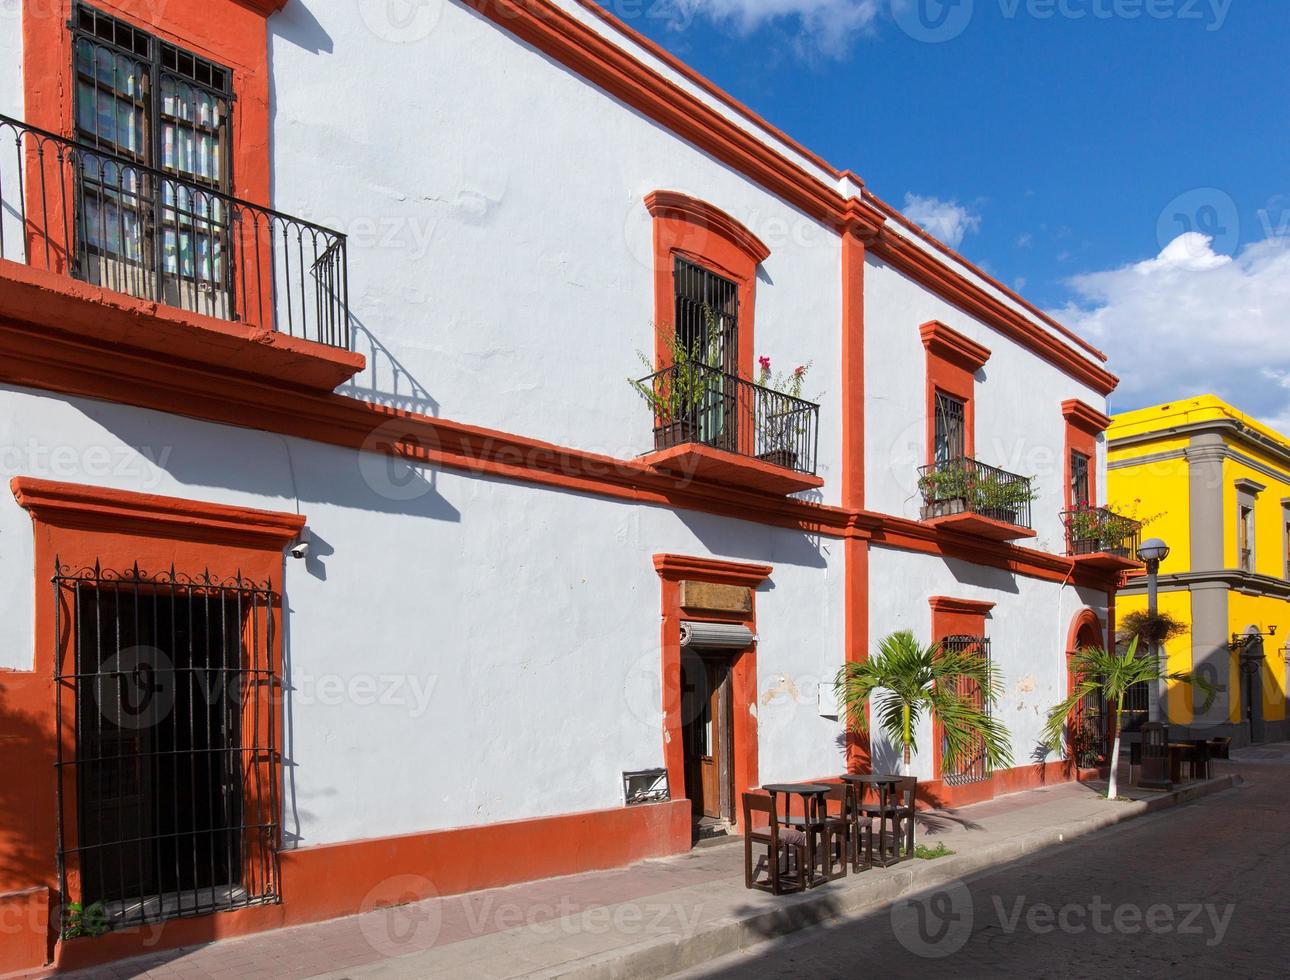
(905, 681)
(1112, 674)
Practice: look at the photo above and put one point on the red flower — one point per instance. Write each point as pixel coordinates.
(801, 370)
(764, 362)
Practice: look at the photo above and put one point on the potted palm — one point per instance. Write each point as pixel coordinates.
(904, 681)
(1112, 675)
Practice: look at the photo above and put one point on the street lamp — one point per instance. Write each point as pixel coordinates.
(1151, 553)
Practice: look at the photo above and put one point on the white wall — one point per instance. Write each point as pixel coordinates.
(1018, 397)
(11, 99)
(529, 616)
(1028, 630)
(500, 247)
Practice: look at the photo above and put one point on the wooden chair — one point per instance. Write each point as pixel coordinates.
(894, 813)
(782, 846)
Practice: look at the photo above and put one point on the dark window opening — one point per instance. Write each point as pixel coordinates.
(950, 428)
(707, 315)
(1080, 492)
(168, 801)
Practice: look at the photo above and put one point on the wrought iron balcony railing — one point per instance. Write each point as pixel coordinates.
(962, 485)
(1097, 530)
(114, 222)
(694, 403)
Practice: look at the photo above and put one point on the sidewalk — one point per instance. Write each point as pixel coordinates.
(649, 920)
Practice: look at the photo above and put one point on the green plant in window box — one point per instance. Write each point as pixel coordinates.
(681, 393)
(948, 489)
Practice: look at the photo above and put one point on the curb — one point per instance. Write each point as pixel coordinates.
(662, 956)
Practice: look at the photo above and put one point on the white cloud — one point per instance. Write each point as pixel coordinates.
(827, 26)
(1191, 321)
(947, 220)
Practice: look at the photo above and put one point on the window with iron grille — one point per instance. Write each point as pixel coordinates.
(156, 112)
(974, 768)
(1079, 480)
(707, 315)
(1137, 707)
(950, 429)
(167, 786)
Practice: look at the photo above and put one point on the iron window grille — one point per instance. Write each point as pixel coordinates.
(1079, 481)
(156, 105)
(950, 428)
(707, 315)
(974, 767)
(166, 693)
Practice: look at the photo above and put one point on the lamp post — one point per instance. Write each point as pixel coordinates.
(1152, 552)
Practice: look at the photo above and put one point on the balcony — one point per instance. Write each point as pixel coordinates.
(1100, 538)
(716, 426)
(971, 497)
(118, 253)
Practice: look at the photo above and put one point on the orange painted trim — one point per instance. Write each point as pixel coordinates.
(855, 551)
(233, 33)
(585, 51)
(950, 345)
(712, 570)
(695, 460)
(265, 8)
(895, 214)
(702, 215)
(952, 363)
(103, 509)
(672, 569)
(1085, 416)
(701, 233)
(946, 606)
(872, 202)
(935, 794)
(34, 357)
(104, 317)
(79, 527)
(332, 880)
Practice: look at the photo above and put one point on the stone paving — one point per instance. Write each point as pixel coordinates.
(662, 915)
(1199, 891)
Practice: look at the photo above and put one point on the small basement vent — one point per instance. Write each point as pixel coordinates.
(716, 636)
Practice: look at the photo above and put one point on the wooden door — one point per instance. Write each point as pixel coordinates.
(706, 734)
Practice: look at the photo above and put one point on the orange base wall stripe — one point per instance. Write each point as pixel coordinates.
(334, 880)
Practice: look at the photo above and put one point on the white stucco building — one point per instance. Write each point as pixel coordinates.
(417, 365)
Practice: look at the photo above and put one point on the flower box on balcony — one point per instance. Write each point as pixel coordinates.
(972, 498)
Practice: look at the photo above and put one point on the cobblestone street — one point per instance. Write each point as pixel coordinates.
(1197, 892)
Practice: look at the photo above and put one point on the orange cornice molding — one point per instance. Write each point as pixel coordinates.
(99, 508)
(265, 7)
(32, 356)
(1085, 416)
(598, 59)
(711, 570)
(951, 345)
(963, 607)
(863, 219)
(676, 205)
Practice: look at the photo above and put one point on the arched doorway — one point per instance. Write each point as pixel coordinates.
(1090, 729)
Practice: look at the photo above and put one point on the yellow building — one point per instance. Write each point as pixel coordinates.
(1220, 482)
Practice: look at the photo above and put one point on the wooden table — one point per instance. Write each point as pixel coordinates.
(812, 795)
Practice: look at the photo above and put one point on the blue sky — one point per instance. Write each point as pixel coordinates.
(1064, 145)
